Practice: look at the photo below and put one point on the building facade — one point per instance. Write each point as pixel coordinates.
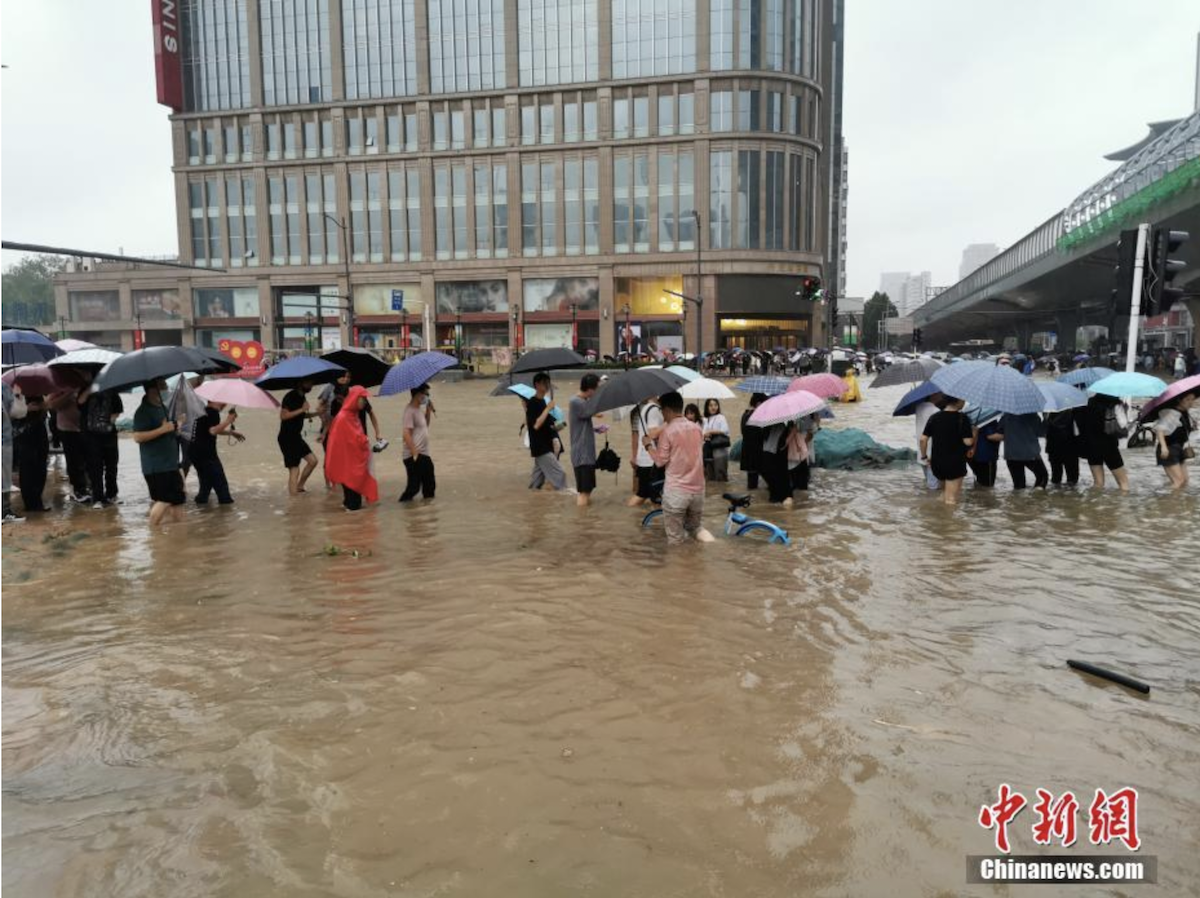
(975, 256)
(505, 172)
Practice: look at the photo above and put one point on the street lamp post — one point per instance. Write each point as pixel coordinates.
(341, 226)
(458, 335)
(628, 337)
(699, 295)
(574, 333)
(516, 319)
(404, 333)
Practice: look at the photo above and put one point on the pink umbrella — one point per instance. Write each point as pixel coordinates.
(827, 386)
(786, 407)
(40, 380)
(234, 391)
(1187, 385)
(70, 345)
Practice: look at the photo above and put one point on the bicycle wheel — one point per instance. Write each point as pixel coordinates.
(650, 516)
(774, 534)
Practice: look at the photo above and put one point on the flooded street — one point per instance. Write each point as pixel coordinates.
(504, 694)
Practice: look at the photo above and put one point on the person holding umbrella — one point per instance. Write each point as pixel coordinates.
(1172, 431)
(99, 410)
(348, 453)
(14, 408)
(583, 440)
(1022, 449)
(292, 415)
(540, 427)
(1100, 440)
(752, 443)
(950, 433)
(155, 433)
(418, 415)
(645, 421)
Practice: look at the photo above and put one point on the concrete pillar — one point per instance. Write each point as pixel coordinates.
(266, 315)
(608, 312)
(1193, 307)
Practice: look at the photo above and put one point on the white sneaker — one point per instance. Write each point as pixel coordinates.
(12, 518)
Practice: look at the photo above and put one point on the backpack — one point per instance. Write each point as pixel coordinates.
(1116, 420)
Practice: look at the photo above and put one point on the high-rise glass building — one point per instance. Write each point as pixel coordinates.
(514, 172)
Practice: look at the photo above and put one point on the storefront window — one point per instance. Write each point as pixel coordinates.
(234, 302)
(648, 296)
(157, 305)
(559, 294)
(470, 297)
(96, 305)
(382, 299)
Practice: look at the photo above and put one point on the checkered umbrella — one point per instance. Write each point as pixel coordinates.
(414, 371)
(990, 386)
(771, 386)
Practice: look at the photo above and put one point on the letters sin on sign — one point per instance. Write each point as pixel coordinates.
(168, 67)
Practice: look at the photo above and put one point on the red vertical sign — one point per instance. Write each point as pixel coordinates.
(168, 64)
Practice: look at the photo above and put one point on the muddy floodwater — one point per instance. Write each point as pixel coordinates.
(502, 694)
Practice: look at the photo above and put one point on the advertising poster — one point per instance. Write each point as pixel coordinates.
(236, 302)
(96, 306)
(559, 294)
(376, 299)
(158, 305)
(629, 338)
(470, 297)
(547, 336)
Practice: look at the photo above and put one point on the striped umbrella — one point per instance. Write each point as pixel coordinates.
(770, 386)
(1085, 376)
(990, 386)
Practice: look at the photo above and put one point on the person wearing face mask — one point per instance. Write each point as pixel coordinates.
(418, 415)
(348, 453)
(155, 433)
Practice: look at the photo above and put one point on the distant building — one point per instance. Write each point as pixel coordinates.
(976, 256)
(906, 290)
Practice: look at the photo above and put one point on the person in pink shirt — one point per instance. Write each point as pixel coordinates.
(680, 450)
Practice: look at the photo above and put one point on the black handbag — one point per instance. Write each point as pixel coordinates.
(719, 441)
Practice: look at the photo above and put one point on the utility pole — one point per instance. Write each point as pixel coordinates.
(1135, 298)
(699, 295)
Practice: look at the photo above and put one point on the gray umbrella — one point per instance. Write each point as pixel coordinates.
(508, 380)
(631, 388)
(915, 372)
(547, 359)
(136, 368)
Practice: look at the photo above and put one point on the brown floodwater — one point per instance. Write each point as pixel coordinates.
(504, 694)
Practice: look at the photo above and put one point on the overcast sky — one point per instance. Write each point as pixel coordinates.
(967, 122)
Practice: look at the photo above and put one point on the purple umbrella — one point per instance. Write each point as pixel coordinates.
(786, 407)
(414, 371)
(39, 380)
(1177, 389)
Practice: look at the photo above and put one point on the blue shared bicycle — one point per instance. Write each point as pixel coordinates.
(736, 523)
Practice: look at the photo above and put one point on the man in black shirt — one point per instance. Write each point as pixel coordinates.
(540, 426)
(205, 459)
(291, 438)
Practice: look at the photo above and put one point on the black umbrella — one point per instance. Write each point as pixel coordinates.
(366, 369)
(631, 388)
(142, 365)
(508, 380)
(546, 360)
(222, 361)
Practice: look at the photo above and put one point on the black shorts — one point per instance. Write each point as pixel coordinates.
(294, 450)
(585, 478)
(1105, 453)
(166, 486)
(1174, 455)
(649, 481)
(953, 470)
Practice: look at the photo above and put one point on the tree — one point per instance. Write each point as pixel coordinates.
(29, 291)
(875, 309)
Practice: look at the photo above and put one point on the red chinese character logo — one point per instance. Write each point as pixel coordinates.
(997, 816)
(1056, 819)
(1115, 817)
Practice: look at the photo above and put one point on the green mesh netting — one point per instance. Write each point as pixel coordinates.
(852, 449)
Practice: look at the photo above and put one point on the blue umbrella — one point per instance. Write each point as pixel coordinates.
(527, 392)
(1060, 397)
(23, 346)
(1085, 376)
(770, 386)
(913, 398)
(990, 386)
(291, 372)
(1129, 383)
(414, 371)
(981, 416)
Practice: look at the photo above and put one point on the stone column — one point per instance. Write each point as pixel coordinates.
(608, 331)
(266, 314)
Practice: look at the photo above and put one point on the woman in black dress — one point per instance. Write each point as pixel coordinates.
(752, 442)
(951, 434)
(1101, 448)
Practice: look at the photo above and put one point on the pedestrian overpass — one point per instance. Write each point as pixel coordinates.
(1060, 276)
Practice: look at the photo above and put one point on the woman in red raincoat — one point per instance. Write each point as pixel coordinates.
(348, 453)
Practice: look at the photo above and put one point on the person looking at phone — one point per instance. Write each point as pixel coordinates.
(154, 432)
(292, 415)
(540, 426)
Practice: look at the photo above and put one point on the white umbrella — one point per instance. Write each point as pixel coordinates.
(86, 357)
(706, 388)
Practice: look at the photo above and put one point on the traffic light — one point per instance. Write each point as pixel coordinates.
(1123, 272)
(1161, 294)
(916, 336)
(810, 289)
